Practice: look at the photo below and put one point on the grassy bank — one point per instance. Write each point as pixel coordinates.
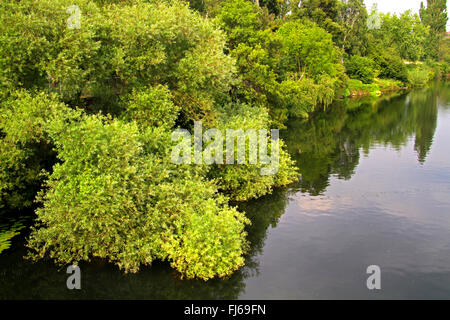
(356, 88)
(418, 74)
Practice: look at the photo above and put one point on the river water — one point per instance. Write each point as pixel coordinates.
(374, 190)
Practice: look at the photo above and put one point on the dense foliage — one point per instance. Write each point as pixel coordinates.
(86, 114)
(113, 197)
(110, 188)
(361, 68)
(293, 62)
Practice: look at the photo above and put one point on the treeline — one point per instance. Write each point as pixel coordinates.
(87, 113)
(295, 56)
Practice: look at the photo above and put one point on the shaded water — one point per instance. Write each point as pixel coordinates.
(375, 190)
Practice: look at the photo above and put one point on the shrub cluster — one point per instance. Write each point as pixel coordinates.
(361, 68)
(86, 118)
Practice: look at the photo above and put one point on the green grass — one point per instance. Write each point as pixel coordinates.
(420, 75)
(358, 89)
(389, 84)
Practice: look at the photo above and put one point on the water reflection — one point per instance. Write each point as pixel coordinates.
(330, 143)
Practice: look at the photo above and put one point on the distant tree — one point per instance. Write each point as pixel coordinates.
(404, 36)
(435, 16)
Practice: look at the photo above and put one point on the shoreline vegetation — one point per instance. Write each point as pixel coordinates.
(90, 95)
(417, 77)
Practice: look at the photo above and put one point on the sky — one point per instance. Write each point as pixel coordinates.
(398, 6)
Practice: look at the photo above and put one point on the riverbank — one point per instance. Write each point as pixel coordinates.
(418, 75)
(357, 88)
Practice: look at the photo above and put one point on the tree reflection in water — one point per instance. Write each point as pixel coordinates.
(330, 143)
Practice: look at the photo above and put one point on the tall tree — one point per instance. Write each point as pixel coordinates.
(435, 16)
(324, 13)
(353, 17)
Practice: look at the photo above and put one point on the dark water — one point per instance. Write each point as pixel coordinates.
(375, 190)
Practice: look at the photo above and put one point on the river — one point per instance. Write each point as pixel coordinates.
(374, 190)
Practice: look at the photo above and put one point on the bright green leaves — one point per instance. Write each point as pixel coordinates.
(208, 239)
(309, 48)
(311, 72)
(118, 48)
(245, 181)
(111, 190)
(361, 68)
(25, 145)
(276, 65)
(241, 21)
(39, 51)
(109, 198)
(151, 106)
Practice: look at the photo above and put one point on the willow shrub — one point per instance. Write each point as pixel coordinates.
(245, 181)
(301, 97)
(37, 50)
(240, 181)
(151, 106)
(113, 192)
(25, 147)
(110, 198)
(361, 68)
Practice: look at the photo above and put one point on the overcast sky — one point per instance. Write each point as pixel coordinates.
(398, 6)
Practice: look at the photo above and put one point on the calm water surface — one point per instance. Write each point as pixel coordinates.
(374, 190)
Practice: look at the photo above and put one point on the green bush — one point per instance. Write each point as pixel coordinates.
(420, 75)
(307, 49)
(441, 70)
(151, 106)
(301, 97)
(391, 66)
(37, 50)
(110, 198)
(25, 147)
(361, 68)
(389, 84)
(358, 88)
(244, 181)
(111, 190)
(277, 64)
